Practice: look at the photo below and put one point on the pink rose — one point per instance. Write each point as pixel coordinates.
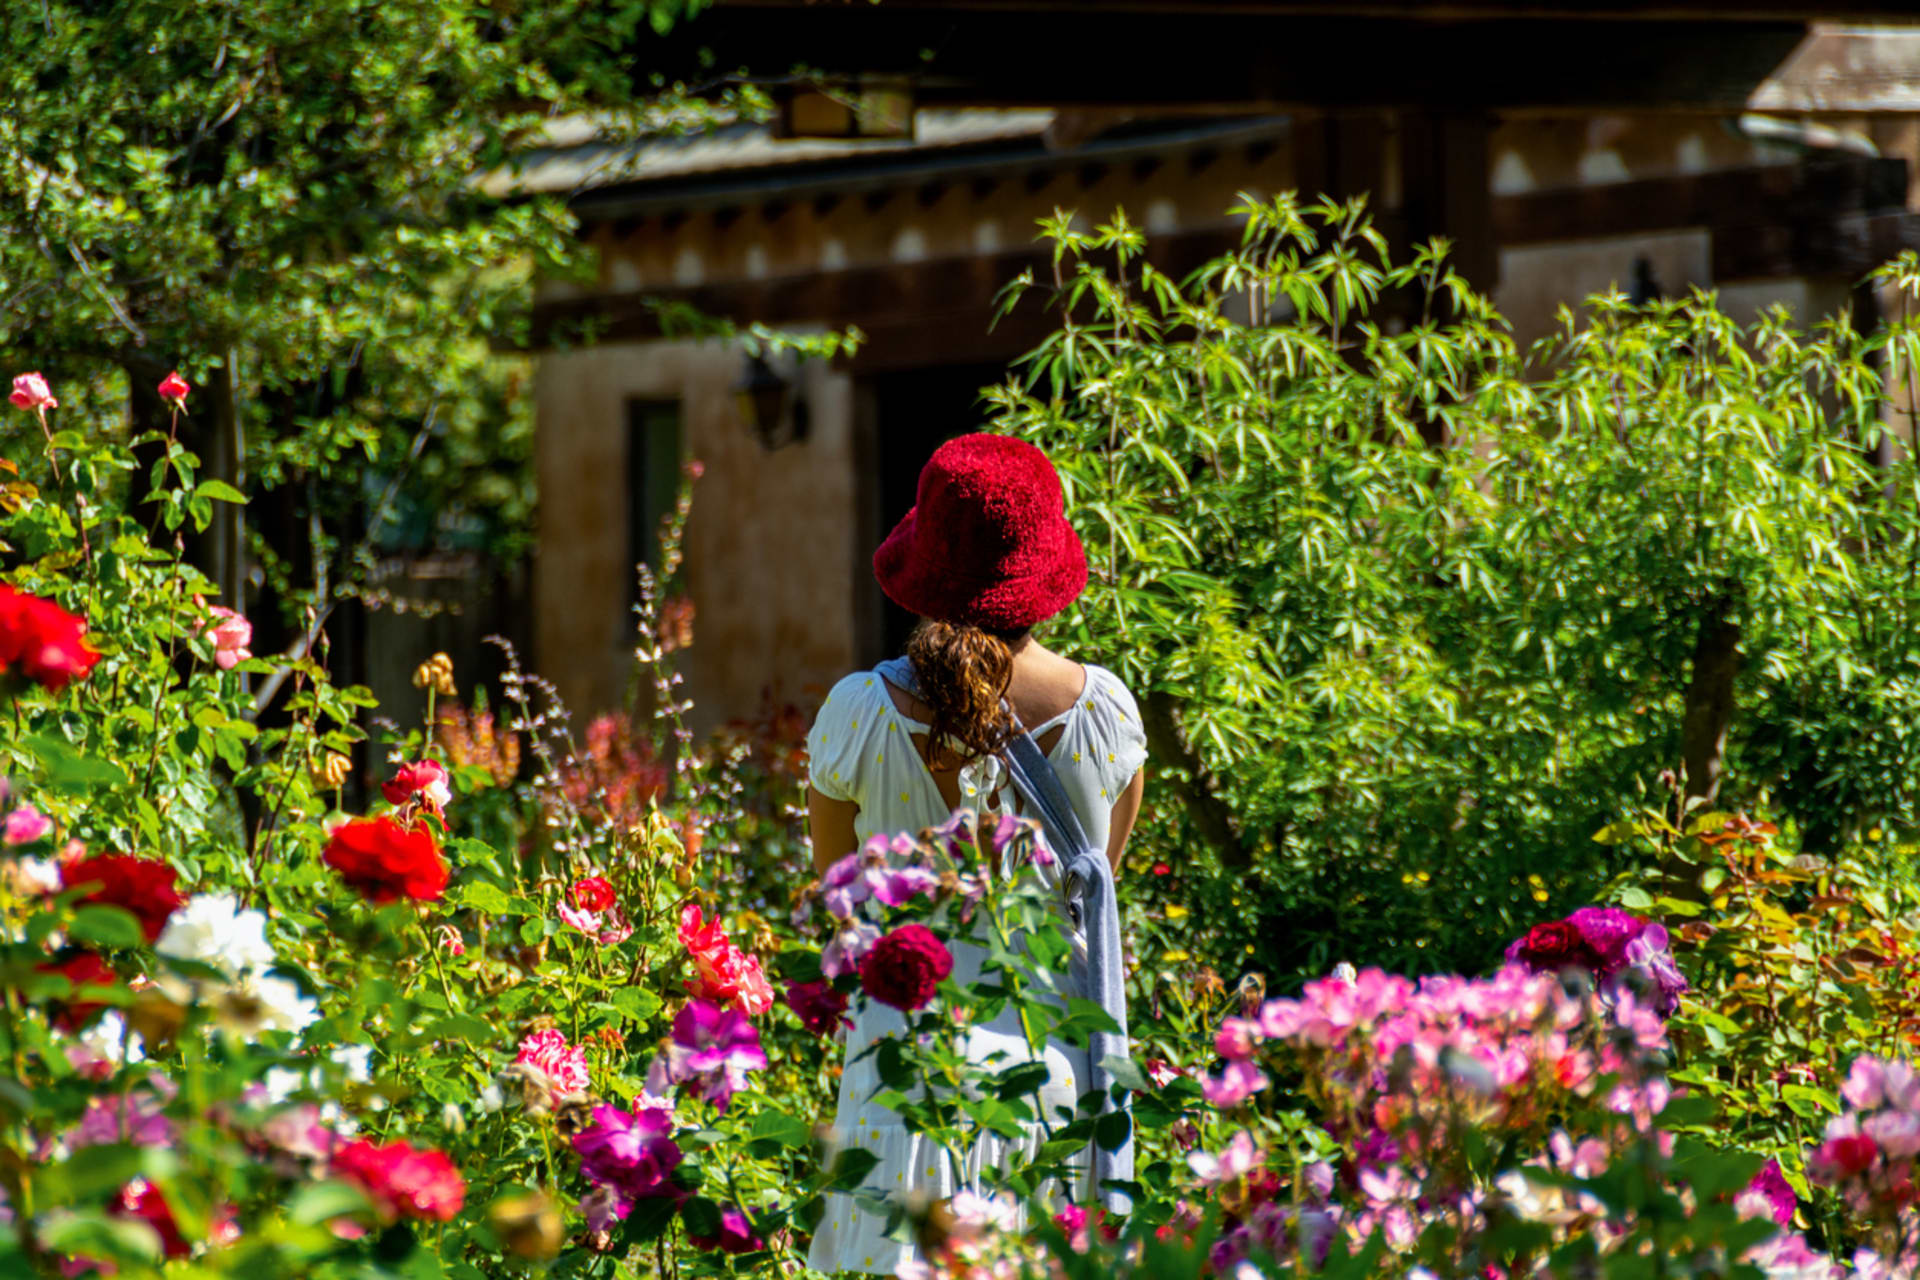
(231, 634)
(563, 1066)
(427, 779)
(30, 391)
(24, 825)
(173, 389)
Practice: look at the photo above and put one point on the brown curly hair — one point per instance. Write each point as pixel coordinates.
(963, 673)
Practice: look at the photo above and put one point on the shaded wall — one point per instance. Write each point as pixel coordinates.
(768, 543)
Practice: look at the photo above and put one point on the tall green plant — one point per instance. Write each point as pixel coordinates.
(1415, 611)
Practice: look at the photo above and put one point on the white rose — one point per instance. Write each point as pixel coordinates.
(212, 929)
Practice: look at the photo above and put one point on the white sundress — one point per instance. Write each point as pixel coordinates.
(861, 750)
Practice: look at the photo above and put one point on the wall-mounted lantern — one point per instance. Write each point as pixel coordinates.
(771, 406)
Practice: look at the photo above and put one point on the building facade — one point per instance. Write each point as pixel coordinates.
(911, 241)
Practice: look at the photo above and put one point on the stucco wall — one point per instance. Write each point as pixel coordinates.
(768, 544)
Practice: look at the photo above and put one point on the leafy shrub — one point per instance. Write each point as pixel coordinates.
(1413, 612)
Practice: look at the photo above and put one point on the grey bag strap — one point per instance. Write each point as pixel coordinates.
(1093, 901)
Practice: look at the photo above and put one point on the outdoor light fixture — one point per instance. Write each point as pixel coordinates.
(775, 414)
(845, 109)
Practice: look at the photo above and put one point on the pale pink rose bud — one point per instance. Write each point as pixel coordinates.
(231, 634)
(173, 389)
(30, 391)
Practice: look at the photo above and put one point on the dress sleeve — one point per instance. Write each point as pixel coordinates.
(1120, 738)
(838, 741)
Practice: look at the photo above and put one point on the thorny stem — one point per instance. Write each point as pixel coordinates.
(79, 511)
(264, 832)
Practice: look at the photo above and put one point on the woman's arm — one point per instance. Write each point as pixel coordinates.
(830, 822)
(1125, 810)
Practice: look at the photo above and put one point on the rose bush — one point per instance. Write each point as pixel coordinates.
(563, 1002)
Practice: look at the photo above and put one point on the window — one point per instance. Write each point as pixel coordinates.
(653, 480)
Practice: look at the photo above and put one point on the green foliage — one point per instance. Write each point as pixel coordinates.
(1413, 612)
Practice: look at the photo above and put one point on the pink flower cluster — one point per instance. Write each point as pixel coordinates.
(1867, 1154)
(595, 911)
(1402, 1069)
(1613, 945)
(723, 973)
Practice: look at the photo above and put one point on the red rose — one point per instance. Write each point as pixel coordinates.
(594, 894)
(403, 1180)
(141, 1199)
(144, 886)
(386, 861)
(1853, 1154)
(81, 969)
(42, 641)
(1554, 946)
(904, 967)
(174, 389)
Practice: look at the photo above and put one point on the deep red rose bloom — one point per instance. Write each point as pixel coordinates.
(1852, 1154)
(386, 861)
(819, 1007)
(42, 641)
(1162, 869)
(144, 886)
(81, 969)
(595, 894)
(1552, 946)
(905, 967)
(141, 1199)
(403, 1180)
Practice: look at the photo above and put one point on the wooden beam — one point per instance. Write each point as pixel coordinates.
(1848, 246)
(1761, 194)
(1236, 58)
(1728, 11)
(1765, 222)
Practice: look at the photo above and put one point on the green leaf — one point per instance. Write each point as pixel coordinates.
(850, 1168)
(320, 1202)
(648, 1221)
(91, 1234)
(1021, 1079)
(1112, 1130)
(637, 1003)
(67, 769)
(219, 490)
(461, 1026)
(786, 1130)
(106, 926)
(702, 1217)
(1126, 1073)
(489, 899)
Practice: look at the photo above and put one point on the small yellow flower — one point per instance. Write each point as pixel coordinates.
(1176, 912)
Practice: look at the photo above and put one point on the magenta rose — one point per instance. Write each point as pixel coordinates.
(905, 967)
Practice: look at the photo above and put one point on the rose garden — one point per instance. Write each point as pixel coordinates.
(1439, 963)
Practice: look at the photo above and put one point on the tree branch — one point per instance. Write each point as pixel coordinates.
(1196, 784)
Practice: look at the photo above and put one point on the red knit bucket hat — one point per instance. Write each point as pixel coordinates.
(987, 543)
